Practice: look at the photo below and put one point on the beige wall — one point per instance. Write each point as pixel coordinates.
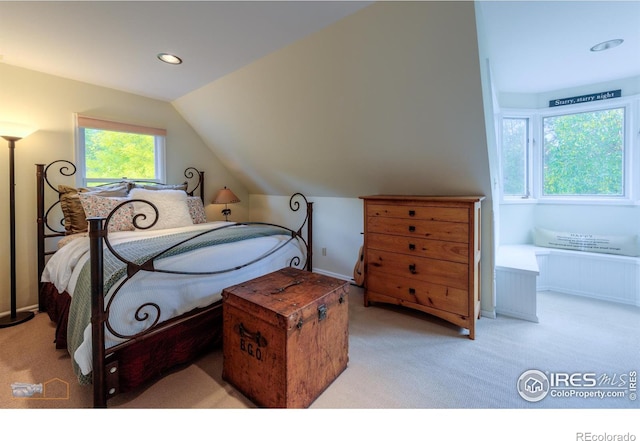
(387, 100)
(48, 103)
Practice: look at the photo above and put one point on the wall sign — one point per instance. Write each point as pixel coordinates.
(586, 98)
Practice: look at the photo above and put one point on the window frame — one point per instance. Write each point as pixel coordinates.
(83, 122)
(528, 157)
(631, 166)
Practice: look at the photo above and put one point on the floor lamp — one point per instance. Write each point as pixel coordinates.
(12, 133)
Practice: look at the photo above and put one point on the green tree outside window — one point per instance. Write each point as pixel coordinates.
(583, 154)
(515, 156)
(116, 155)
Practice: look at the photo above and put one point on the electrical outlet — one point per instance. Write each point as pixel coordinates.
(324, 251)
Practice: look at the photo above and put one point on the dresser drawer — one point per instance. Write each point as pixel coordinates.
(426, 229)
(415, 246)
(422, 293)
(426, 212)
(441, 272)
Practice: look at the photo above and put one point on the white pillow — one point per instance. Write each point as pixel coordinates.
(172, 208)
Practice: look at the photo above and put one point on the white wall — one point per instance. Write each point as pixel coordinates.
(519, 220)
(491, 233)
(48, 103)
(629, 86)
(337, 227)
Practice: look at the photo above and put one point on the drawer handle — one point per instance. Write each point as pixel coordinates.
(412, 291)
(412, 228)
(412, 212)
(412, 246)
(412, 268)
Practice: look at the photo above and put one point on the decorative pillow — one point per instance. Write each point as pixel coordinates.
(172, 208)
(75, 220)
(100, 206)
(594, 243)
(196, 210)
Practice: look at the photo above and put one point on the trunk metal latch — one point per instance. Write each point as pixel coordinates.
(322, 312)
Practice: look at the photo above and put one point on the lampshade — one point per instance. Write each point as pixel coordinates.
(225, 196)
(14, 130)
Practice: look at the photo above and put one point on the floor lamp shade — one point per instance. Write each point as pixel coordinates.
(13, 132)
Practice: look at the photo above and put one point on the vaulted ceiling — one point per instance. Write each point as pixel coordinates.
(290, 99)
(534, 45)
(115, 43)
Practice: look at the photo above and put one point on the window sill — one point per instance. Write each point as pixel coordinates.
(518, 201)
(568, 201)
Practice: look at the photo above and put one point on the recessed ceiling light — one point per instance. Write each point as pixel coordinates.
(169, 58)
(607, 45)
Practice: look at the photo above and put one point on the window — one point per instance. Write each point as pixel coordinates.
(109, 151)
(567, 154)
(515, 157)
(584, 154)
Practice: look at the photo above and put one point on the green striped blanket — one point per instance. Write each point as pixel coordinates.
(138, 252)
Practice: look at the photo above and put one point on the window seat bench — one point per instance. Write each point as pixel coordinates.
(522, 270)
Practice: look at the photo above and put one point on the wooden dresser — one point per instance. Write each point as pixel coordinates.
(423, 252)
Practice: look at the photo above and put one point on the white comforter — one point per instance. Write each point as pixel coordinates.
(175, 294)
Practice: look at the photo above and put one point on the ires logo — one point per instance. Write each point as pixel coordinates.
(534, 385)
(563, 379)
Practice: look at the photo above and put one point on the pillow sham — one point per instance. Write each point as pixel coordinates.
(101, 206)
(75, 219)
(172, 208)
(196, 210)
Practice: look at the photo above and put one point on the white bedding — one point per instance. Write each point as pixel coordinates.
(175, 294)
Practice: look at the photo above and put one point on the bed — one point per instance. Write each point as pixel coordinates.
(132, 272)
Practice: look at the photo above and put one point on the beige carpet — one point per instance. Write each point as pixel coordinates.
(409, 373)
(398, 359)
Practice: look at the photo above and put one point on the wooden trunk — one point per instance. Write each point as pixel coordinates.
(285, 336)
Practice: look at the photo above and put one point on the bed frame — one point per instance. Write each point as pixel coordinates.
(161, 348)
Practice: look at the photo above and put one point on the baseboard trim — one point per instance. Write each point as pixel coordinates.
(331, 274)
